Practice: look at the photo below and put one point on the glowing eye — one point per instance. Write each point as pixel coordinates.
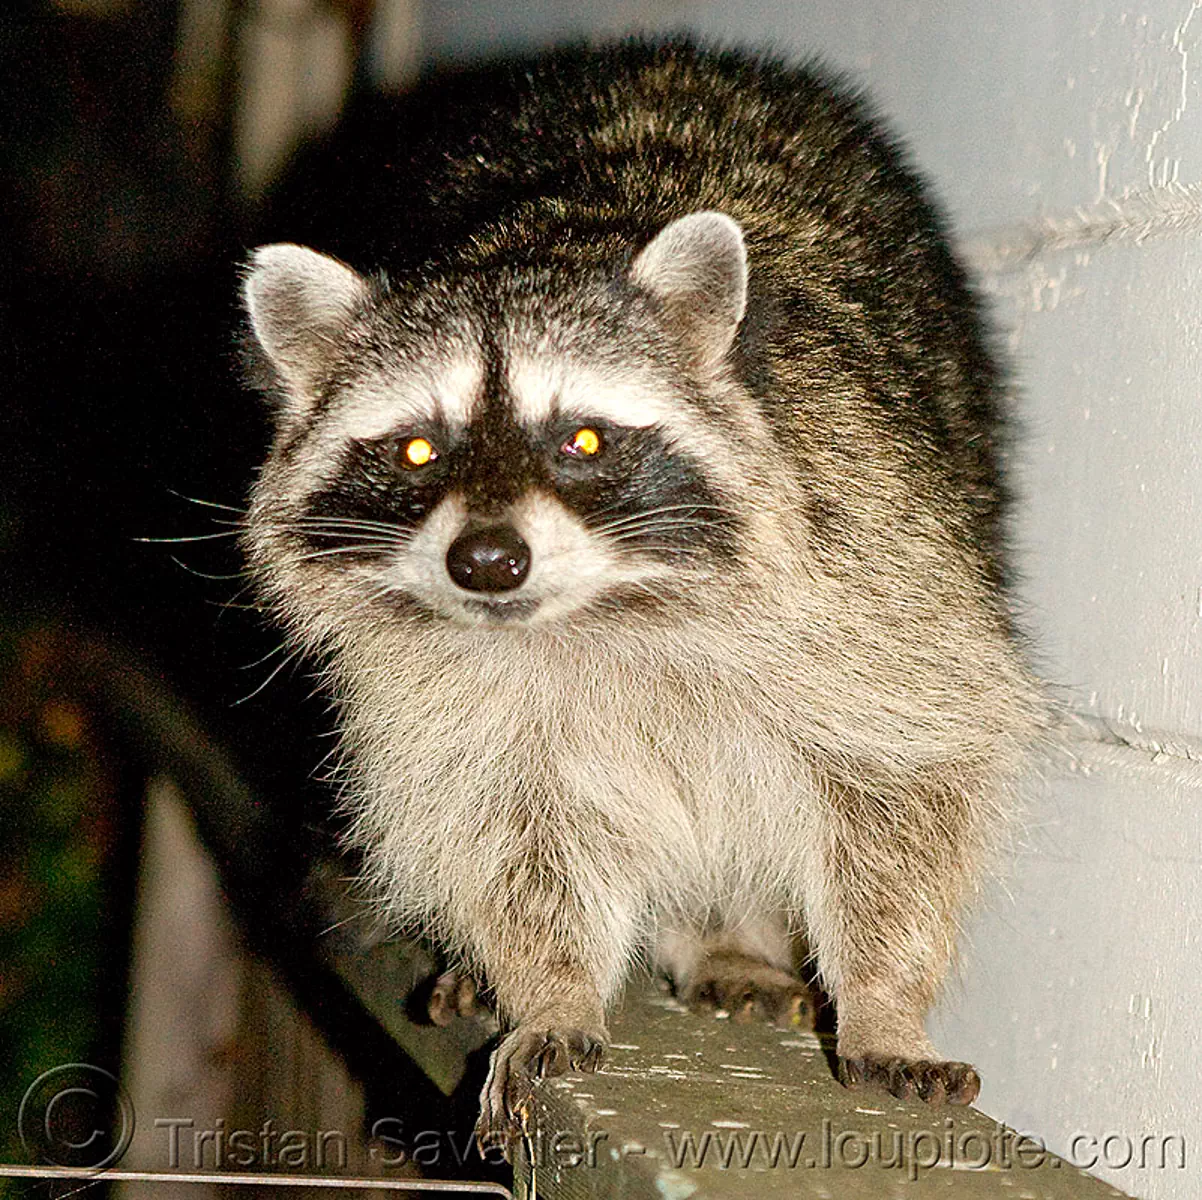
(417, 452)
(584, 443)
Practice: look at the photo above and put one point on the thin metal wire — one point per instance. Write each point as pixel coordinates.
(265, 1179)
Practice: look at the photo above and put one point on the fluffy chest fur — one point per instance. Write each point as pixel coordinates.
(583, 756)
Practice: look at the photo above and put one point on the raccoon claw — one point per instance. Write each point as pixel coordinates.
(452, 996)
(749, 990)
(524, 1057)
(934, 1083)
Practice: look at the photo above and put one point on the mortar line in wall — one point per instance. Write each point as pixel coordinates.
(1134, 748)
(1171, 211)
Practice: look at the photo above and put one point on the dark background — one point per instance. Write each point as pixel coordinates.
(117, 319)
(124, 215)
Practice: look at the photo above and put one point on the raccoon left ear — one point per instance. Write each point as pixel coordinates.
(697, 268)
(300, 303)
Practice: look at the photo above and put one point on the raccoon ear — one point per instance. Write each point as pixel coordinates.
(300, 303)
(697, 268)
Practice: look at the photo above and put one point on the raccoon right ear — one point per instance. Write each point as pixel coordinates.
(300, 303)
(696, 267)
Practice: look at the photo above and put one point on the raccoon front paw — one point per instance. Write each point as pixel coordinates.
(934, 1083)
(523, 1057)
(750, 989)
(453, 995)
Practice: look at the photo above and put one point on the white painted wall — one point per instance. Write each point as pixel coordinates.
(1044, 125)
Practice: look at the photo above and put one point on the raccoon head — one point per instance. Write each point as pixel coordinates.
(502, 447)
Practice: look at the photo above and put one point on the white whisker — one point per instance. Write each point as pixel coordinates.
(289, 658)
(183, 566)
(208, 503)
(195, 537)
(641, 517)
(355, 523)
(364, 547)
(282, 648)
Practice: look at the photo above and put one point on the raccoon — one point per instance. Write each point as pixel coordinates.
(638, 488)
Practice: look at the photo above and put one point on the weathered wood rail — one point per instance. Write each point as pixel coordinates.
(693, 1108)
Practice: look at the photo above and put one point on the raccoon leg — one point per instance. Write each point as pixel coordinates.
(743, 970)
(554, 950)
(562, 1030)
(881, 915)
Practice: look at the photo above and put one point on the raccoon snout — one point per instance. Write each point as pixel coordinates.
(494, 559)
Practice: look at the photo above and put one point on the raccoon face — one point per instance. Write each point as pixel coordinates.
(503, 449)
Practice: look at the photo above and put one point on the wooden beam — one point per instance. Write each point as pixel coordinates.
(694, 1108)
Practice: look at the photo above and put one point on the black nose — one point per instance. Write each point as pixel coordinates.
(489, 560)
